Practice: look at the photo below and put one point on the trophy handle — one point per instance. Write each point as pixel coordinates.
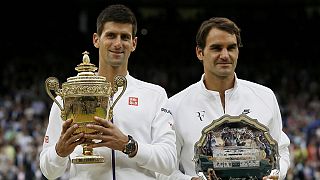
(119, 81)
(52, 83)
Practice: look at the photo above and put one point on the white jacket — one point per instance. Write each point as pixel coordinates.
(196, 107)
(144, 121)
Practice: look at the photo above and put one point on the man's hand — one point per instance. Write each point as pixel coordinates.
(110, 135)
(196, 178)
(270, 177)
(67, 141)
(273, 175)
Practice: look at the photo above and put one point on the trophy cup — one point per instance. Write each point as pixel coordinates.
(85, 96)
(236, 147)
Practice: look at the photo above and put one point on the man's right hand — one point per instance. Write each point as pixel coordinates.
(67, 141)
(196, 178)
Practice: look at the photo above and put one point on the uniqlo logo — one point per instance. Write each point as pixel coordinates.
(46, 139)
(133, 101)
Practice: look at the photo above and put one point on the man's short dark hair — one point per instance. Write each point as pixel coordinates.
(117, 13)
(221, 23)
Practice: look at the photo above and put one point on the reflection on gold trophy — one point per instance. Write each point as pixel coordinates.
(85, 96)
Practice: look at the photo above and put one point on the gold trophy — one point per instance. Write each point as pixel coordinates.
(85, 96)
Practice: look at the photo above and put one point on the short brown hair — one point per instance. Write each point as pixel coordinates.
(221, 23)
(117, 13)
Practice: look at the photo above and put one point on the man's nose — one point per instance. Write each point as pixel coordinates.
(117, 41)
(224, 53)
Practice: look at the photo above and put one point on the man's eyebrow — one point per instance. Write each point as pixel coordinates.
(121, 33)
(215, 45)
(219, 45)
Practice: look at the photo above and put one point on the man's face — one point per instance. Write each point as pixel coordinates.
(115, 43)
(220, 54)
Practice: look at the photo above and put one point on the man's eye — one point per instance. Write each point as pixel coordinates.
(215, 49)
(126, 37)
(110, 36)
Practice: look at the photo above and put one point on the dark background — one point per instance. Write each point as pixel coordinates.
(46, 38)
(277, 37)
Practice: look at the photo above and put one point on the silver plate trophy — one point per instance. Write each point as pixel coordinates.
(236, 148)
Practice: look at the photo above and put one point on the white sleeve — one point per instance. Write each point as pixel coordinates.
(177, 174)
(159, 156)
(284, 155)
(282, 139)
(52, 166)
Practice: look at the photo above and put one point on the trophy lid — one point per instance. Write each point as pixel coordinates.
(86, 72)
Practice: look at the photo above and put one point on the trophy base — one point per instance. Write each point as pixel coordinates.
(88, 159)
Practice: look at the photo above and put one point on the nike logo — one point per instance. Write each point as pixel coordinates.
(246, 111)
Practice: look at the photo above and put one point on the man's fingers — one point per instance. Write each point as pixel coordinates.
(76, 137)
(102, 121)
(100, 136)
(71, 130)
(270, 177)
(103, 126)
(100, 144)
(66, 125)
(78, 142)
(75, 140)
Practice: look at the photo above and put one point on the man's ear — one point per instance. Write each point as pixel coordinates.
(134, 43)
(95, 40)
(199, 53)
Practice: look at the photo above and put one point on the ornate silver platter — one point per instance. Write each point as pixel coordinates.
(236, 147)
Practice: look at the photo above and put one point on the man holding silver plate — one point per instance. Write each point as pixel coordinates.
(226, 127)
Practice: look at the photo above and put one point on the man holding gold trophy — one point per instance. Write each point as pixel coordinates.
(227, 128)
(96, 131)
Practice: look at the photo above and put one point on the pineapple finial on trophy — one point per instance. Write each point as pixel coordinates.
(86, 66)
(86, 59)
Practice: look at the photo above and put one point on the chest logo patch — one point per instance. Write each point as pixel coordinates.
(133, 101)
(200, 115)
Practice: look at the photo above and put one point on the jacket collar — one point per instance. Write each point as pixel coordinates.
(207, 92)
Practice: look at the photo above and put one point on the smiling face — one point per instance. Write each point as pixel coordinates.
(115, 44)
(220, 54)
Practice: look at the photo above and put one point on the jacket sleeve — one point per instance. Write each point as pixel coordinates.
(284, 155)
(177, 174)
(52, 166)
(159, 156)
(282, 139)
(178, 171)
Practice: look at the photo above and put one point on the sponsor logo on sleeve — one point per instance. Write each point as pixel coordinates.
(166, 110)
